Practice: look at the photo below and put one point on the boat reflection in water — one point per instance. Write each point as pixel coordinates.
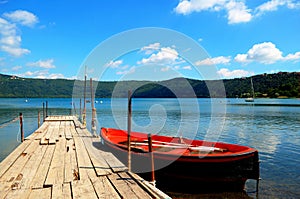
(186, 165)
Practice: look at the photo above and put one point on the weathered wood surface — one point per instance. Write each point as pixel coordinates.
(60, 160)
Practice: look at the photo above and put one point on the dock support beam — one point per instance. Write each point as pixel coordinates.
(129, 130)
(151, 160)
(84, 103)
(94, 129)
(21, 127)
(39, 121)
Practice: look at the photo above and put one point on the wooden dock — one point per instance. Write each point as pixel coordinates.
(61, 160)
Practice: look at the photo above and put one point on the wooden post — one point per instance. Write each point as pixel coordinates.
(151, 159)
(39, 122)
(46, 108)
(21, 127)
(44, 112)
(84, 103)
(93, 109)
(129, 130)
(80, 110)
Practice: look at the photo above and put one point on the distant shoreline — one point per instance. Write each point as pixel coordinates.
(280, 85)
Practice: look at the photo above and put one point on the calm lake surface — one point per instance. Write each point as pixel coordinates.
(270, 125)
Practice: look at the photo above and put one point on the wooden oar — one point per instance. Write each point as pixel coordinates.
(189, 145)
(181, 146)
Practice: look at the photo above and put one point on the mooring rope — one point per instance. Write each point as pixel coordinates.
(4, 124)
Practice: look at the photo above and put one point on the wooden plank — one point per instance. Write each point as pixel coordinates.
(12, 157)
(44, 193)
(152, 190)
(13, 173)
(22, 184)
(56, 169)
(131, 182)
(68, 133)
(48, 134)
(104, 188)
(44, 141)
(77, 123)
(83, 189)
(115, 164)
(70, 169)
(54, 136)
(67, 193)
(85, 166)
(37, 134)
(62, 128)
(42, 171)
(57, 191)
(122, 186)
(99, 163)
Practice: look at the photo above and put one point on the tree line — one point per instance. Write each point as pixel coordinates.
(282, 84)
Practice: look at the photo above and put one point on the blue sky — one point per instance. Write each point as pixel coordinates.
(53, 39)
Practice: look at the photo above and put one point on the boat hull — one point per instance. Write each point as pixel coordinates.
(200, 173)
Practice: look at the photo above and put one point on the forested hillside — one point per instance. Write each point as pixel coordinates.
(267, 85)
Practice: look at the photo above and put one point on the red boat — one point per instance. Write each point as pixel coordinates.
(181, 163)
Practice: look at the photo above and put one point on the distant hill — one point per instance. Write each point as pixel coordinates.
(283, 84)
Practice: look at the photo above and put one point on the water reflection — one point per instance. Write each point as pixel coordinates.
(273, 130)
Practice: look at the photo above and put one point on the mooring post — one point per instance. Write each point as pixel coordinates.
(129, 130)
(21, 127)
(151, 159)
(39, 122)
(84, 103)
(46, 109)
(44, 112)
(80, 110)
(93, 109)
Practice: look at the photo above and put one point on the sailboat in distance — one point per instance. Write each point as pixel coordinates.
(251, 99)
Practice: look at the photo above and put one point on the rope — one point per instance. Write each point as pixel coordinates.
(4, 124)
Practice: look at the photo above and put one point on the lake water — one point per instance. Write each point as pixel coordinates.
(271, 125)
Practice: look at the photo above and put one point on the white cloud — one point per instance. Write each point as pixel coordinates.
(56, 76)
(14, 50)
(186, 7)
(213, 61)
(226, 73)
(292, 57)
(10, 39)
(166, 55)
(42, 63)
(238, 12)
(151, 48)
(274, 4)
(22, 17)
(42, 74)
(114, 64)
(265, 53)
(241, 58)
